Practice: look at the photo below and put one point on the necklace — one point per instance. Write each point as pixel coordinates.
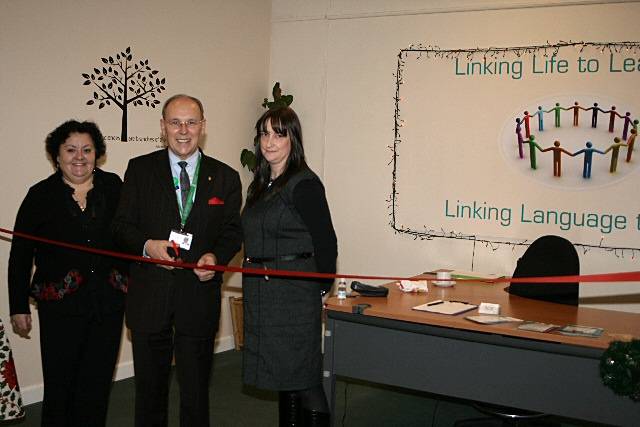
(81, 205)
(80, 191)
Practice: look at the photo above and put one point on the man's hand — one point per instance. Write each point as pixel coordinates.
(206, 259)
(158, 249)
(21, 324)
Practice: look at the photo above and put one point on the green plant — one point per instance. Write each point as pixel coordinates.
(248, 157)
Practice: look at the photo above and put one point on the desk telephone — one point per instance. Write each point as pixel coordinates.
(369, 290)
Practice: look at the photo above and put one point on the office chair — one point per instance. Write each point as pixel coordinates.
(546, 256)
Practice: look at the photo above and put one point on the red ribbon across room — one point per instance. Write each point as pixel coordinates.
(629, 276)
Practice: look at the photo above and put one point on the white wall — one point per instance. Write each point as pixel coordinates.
(214, 50)
(338, 59)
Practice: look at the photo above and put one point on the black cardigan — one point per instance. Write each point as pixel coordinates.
(67, 280)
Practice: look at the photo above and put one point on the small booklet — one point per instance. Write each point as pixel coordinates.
(537, 327)
(474, 275)
(470, 275)
(491, 319)
(445, 307)
(581, 331)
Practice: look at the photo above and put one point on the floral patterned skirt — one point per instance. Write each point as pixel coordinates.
(10, 398)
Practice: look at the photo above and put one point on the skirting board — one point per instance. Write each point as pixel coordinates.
(33, 394)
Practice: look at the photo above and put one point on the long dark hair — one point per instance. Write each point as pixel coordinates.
(284, 122)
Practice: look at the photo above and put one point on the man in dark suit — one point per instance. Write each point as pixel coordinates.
(177, 203)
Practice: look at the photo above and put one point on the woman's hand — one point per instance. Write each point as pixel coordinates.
(21, 324)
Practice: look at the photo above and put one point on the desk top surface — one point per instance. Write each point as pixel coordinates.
(398, 306)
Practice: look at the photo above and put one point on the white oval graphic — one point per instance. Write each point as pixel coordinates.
(571, 172)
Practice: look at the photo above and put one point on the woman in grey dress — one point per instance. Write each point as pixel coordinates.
(287, 225)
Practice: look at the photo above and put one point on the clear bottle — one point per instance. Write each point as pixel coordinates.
(342, 289)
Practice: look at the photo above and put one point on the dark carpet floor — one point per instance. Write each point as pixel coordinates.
(357, 403)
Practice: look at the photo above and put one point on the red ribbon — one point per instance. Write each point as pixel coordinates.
(630, 276)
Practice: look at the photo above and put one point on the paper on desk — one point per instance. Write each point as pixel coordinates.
(413, 286)
(581, 331)
(537, 326)
(445, 307)
(490, 319)
(463, 274)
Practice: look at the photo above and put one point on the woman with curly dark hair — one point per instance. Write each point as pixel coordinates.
(79, 295)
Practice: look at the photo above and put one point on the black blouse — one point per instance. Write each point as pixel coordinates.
(68, 280)
(311, 203)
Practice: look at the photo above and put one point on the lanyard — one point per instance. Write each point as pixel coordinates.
(186, 210)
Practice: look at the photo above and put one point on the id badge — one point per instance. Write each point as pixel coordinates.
(182, 239)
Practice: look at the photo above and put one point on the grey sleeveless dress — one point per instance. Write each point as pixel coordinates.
(282, 316)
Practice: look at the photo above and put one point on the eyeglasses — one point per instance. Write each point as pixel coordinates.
(190, 124)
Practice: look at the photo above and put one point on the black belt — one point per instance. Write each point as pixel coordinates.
(258, 260)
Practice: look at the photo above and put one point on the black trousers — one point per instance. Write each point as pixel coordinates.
(152, 353)
(79, 354)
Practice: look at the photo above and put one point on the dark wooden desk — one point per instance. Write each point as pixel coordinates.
(391, 344)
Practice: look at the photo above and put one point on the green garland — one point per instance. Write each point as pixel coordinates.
(620, 368)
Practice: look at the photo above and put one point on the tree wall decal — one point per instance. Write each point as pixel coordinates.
(122, 81)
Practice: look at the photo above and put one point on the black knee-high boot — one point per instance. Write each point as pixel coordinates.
(314, 418)
(315, 410)
(289, 409)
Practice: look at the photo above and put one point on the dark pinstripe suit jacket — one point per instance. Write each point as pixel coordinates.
(148, 209)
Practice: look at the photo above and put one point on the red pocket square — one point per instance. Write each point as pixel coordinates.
(215, 201)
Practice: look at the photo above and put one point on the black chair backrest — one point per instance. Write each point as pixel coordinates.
(548, 256)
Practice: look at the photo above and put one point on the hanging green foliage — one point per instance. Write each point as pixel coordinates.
(248, 157)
